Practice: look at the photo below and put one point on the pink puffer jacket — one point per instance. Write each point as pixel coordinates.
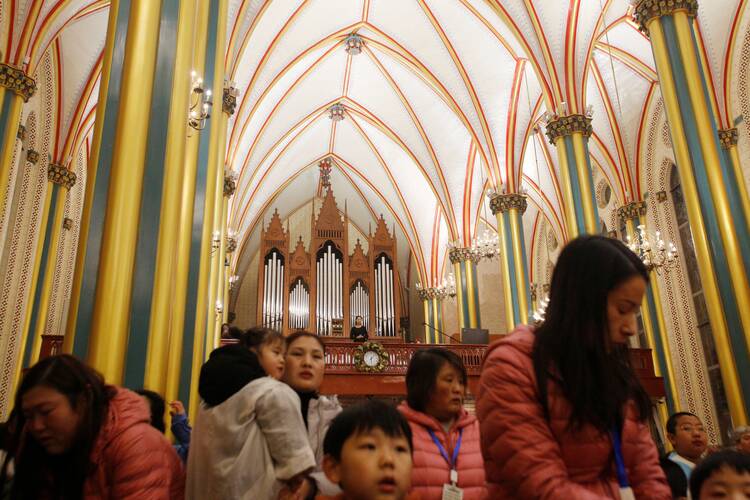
(431, 471)
(527, 456)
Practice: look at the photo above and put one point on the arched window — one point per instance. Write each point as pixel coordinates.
(701, 311)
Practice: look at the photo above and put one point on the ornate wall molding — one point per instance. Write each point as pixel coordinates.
(61, 176)
(229, 100)
(18, 81)
(728, 137)
(563, 126)
(632, 210)
(230, 186)
(505, 202)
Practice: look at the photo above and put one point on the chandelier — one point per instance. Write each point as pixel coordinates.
(655, 253)
(446, 288)
(487, 246)
(540, 312)
(200, 103)
(353, 44)
(336, 112)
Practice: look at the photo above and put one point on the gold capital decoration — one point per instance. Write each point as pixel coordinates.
(61, 176)
(462, 254)
(632, 210)
(231, 244)
(229, 100)
(646, 10)
(32, 156)
(230, 186)
(501, 203)
(67, 223)
(21, 134)
(563, 126)
(16, 80)
(728, 137)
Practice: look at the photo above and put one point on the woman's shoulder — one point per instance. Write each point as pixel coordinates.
(518, 345)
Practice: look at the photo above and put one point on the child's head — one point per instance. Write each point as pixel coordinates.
(724, 474)
(368, 452)
(269, 346)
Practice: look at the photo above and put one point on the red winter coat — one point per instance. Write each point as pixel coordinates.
(133, 460)
(527, 456)
(431, 471)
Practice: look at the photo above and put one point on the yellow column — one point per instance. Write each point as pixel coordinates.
(165, 344)
(570, 134)
(467, 291)
(728, 139)
(109, 327)
(16, 87)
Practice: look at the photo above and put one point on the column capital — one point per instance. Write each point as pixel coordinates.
(17, 80)
(32, 156)
(632, 210)
(505, 202)
(563, 126)
(229, 100)
(230, 186)
(646, 10)
(61, 176)
(231, 244)
(21, 134)
(462, 254)
(67, 223)
(728, 137)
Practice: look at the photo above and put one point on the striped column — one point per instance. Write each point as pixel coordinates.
(509, 209)
(60, 180)
(433, 316)
(16, 87)
(570, 136)
(716, 210)
(467, 291)
(652, 314)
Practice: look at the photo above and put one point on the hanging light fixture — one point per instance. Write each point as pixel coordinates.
(353, 44)
(446, 288)
(336, 112)
(200, 103)
(655, 253)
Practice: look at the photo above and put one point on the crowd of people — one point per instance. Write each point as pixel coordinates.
(559, 415)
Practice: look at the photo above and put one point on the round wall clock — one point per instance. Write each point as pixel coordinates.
(370, 357)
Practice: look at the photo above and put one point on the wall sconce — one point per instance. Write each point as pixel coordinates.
(219, 307)
(215, 239)
(233, 279)
(200, 104)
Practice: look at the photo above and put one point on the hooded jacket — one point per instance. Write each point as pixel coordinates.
(244, 443)
(527, 456)
(132, 459)
(431, 471)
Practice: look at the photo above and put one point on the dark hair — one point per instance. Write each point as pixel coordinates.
(572, 346)
(291, 338)
(364, 417)
(257, 336)
(421, 375)
(673, 418)
(735, 460)
(157, 406)
(87, 393)
(234, 332)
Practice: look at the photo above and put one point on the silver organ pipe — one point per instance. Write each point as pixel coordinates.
(385, 310)
(273, 291)
(299, 310)
(329, 299)
(265, 294)
(359, 303)
(389, 295)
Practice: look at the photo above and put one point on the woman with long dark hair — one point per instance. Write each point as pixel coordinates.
(562, 413)
(80, 438)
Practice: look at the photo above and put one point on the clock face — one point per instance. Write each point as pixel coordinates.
(371, 358)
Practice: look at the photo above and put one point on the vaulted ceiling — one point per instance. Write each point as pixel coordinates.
(442, 104)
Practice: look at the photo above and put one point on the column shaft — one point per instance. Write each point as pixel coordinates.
(717, 216)
(465, 268)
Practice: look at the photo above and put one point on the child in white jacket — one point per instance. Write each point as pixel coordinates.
(249, 439)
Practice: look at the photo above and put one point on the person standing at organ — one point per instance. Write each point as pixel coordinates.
(358, 332)
(562, 413)
(447, 453)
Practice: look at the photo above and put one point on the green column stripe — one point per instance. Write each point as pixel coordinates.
(464, 296)
(590, 179)
(658, 348)
(101, 188)
(719, 261)
(46, 236)
(477, 319)
(151, 197)
(198, 211)
(575, 187)
(525, 279)
(439, 318)
(430, 322)
(5, 119)
(511, 258)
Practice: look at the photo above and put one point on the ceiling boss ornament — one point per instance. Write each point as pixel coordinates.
(353, 44)
(17, 81)
(336, 112)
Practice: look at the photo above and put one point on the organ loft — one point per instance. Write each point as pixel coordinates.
(323, 288)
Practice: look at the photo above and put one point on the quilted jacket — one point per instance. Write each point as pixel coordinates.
(132, 459)
(527, 456)
(431, 471)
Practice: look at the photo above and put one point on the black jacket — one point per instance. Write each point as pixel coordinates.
(228, 369)
(678, 483)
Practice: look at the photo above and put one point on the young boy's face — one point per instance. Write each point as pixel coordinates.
(726, 483)
(373, 466)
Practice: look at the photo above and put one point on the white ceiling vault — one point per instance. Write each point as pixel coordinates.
(442, 104)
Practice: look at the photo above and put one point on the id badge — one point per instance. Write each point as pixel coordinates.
(627, 493)
(451, 492)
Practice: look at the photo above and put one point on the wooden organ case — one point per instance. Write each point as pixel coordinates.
(322, 290)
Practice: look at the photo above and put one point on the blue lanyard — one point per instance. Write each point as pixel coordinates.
(451, 463)
(622, 475)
